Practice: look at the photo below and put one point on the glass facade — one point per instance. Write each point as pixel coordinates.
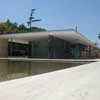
(53, 48)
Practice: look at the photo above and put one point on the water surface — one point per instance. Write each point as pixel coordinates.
(18, 69)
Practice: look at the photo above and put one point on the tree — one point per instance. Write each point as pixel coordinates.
(12, 27)
(8, 27)
(22, 28)
(3, 28)
(37, 29)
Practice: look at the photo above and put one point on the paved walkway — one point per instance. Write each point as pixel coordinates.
(77, 83)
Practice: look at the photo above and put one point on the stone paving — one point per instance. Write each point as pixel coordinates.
(77, 83)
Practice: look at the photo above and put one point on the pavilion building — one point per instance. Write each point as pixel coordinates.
(57, 44)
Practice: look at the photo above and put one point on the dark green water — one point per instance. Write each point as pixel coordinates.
(18, 69)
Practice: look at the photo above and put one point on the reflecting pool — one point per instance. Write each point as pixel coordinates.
(17, 69)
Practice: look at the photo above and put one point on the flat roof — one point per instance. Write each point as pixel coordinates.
(69, 34)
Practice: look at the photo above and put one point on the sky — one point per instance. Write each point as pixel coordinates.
(56, 14)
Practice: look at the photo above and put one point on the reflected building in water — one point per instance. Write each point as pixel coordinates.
(10, 69)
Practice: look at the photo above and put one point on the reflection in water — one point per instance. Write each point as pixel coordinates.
(17, 69)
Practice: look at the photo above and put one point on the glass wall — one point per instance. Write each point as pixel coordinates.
(38, 49)
(53, 48)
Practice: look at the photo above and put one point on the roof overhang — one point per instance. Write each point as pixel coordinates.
(70, 35)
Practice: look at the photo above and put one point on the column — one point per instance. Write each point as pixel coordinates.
(3, 48)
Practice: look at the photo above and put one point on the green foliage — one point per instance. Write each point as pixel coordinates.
(36, 29)
(10, 27)
(22, 28)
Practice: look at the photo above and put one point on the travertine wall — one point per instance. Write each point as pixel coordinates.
(3, 47)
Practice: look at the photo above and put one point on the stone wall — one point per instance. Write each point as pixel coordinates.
(3, 47)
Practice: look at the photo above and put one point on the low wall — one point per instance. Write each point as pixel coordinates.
(3, 47)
